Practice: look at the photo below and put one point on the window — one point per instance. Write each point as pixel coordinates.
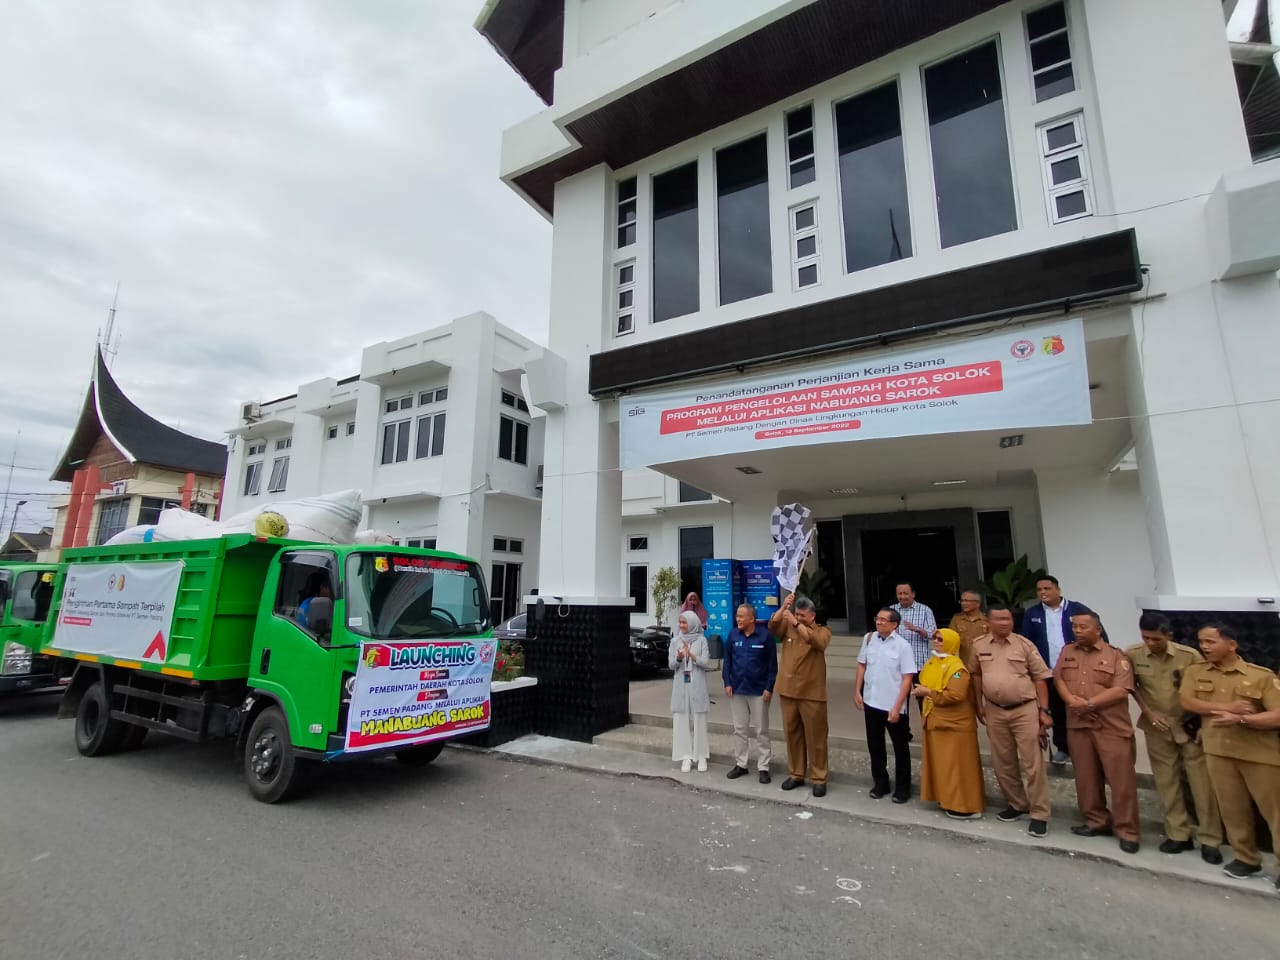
(508, 545)
(515, 546)
(742, 220)
(149, 509)
(399, 403)
(351, 428)
(638, 587)
(513, 440)
(971, 173)
(1066, 169)
(284, 444)
(426, 543)
(624, 292)
(800, 152)
(305, 575)
(500, 543)
(1050, 49)
(873, 179)
(675, 243)
(804, 246)
(113, 515)
(430, 441)
(427, 397)
(252, 478)
(333, 433)
(33, 595)
(688, 493)
(395, 441)
(279, 475)
(696, 544)
(514, 400)
(637, 543)
(256, 449)
(995, 540)
(626, 212)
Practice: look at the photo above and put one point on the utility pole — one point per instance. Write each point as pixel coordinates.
(8, 485)
(13, 521)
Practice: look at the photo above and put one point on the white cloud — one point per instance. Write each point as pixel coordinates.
(274, 184)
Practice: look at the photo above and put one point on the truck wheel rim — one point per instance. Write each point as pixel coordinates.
(91, 719)
(266, 755)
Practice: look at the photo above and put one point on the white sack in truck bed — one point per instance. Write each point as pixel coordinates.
(331, 518)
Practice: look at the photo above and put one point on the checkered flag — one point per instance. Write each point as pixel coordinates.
(790, 542)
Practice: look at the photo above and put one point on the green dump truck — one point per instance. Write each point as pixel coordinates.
(301, 652)
(26, 599)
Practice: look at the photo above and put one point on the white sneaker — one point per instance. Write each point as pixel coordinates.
(1059, 758)
(686, 765)
(702, 766)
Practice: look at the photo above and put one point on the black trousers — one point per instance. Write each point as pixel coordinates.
(1058, 710)
(877, 723)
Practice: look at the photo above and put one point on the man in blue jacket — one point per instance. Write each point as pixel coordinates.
(750, 667)
(1048, 626)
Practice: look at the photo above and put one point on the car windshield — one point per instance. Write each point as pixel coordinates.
(393, 596)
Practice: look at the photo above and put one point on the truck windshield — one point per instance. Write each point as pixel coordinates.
(394, 596)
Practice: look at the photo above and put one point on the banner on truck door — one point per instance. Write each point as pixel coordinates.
(119, 610)
(415, 692)
(1025, 377)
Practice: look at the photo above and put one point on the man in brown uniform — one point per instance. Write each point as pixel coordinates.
(801, 685)
(1095, 681)
(1009, 679)
(1242, 754)
(1158, 666)
(970, 622)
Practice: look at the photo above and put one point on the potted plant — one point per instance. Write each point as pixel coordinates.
(666, 592)
(1014, 585)
(815, 585)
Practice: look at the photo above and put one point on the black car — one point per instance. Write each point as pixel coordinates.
(648, 644)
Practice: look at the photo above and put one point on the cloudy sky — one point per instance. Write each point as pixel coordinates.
(273, 183)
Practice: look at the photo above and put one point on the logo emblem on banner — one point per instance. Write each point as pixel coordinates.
(1053, 346)
(1022, 349)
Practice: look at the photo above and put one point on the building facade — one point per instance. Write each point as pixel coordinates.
(435, 432)
(752, 196)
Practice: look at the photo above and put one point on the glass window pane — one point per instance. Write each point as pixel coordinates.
(806, 247)
(422, 447)
(742, 210)
(437, 435)
(696, 544)
(807, 275)
(1046, 20)
(802, 172)
(873, 179)
(804, 218)
(1051, 50)
(624, 323)
(800, 145)
(522, 443)
(800, 119)
(389, 443)
(971, 173)
(627, 235)
(1061, 136)
(442, 394)
(402, 441)
(624, 298)
(995, 538)
(627, 212)
(1064, 171)
(1055, 82)
(627, 274)
(638, 588)
(627, 189)
(1070, 204)
(505, 425)
(675, 243)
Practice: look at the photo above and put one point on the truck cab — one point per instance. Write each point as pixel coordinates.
(26, 600)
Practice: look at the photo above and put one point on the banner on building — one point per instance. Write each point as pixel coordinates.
(118, 610)
(415, 692)
(1025, 377)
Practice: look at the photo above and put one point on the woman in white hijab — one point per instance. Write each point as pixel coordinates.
(689, 657)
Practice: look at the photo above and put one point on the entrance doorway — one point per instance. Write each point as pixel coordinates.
(504, 591)
(925, 557)
(830, 558)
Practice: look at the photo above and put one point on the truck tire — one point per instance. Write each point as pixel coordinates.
(271, 768)
(96, 733)
(420, 756)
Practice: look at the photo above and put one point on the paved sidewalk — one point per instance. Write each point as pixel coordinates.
(849, 800)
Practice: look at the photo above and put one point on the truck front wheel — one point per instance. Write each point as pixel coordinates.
(271, 768)
(420, 756)
(96, 732)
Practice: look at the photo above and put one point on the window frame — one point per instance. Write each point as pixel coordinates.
(517, 427)
(642, 606)
(717, 198)
(253, 471)
(633, 539)
(788, 136)
(1078, 150)
(284, 443)
(621, 225)
(396, 425)
(1031, 42)
(624, 318)
(795, 235)
(435, 435)
(278, 482)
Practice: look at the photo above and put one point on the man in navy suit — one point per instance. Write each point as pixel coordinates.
(1048, 626)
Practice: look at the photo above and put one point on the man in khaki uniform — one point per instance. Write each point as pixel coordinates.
(801, 685)
(970, 622)
(1158, 666)
(1095, 680)
(1009, 679)
(1242, 753)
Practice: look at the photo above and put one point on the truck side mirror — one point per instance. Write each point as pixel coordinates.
(320, 616)
(4, 592)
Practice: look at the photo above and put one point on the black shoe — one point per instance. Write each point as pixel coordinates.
(1210, 854)
(791, 783)
(1008, 815)
(1239, 870)
(819, 789)
(764, 777)
(1084, 830)
(1037, 828)
(1128, 846)
(901, 797)
(1177, 846)
(735, 772)
(878, 794)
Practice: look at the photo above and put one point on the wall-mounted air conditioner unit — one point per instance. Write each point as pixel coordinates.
(251, 412)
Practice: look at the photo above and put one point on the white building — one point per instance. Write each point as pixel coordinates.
(434, 431)
(754, 193)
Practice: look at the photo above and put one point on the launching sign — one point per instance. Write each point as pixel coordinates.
(1027, 377)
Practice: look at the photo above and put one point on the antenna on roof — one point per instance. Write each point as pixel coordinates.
(109, 350)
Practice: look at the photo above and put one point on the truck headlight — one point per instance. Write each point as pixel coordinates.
(17, 658)
(637, 643)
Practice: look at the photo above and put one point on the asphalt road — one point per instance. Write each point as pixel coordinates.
(162, 854)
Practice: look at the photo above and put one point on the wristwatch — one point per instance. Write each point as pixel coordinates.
(1046, 711)
(1242, 723)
